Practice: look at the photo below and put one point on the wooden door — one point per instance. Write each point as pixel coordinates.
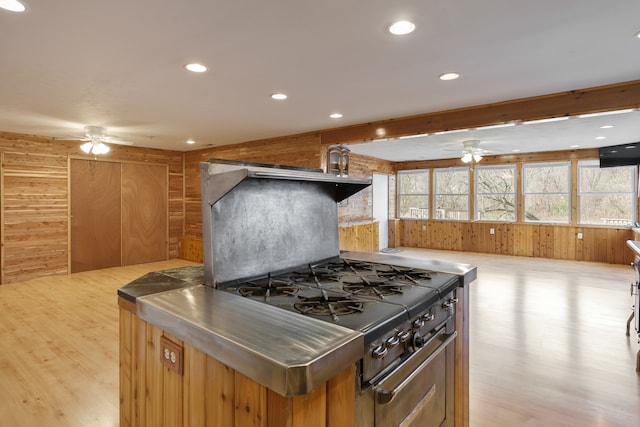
(95, 215)
(144, 213)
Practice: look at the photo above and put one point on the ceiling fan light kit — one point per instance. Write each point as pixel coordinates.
(471, 151)
(95, 137)
(94, 148)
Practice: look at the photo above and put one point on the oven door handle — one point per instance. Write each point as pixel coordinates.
(386, 396)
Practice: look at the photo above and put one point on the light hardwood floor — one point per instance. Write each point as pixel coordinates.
(548, 345)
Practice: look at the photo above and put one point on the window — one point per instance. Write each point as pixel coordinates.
(451, 193)
(495, 193)
(546, 192)
(606, 196)
(413, 194)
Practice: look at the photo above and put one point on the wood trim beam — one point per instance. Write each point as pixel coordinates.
(583, 101)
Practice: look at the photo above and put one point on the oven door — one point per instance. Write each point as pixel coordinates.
(419, 392)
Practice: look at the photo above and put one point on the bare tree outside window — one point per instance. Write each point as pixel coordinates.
(546, 192)
(495, 193)
(413, 194)
(606, 196)
(451, 193)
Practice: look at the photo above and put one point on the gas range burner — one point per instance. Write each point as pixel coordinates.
(322, 272)
(268, 288)
(396, 270)
(367, 285)
(328, 305)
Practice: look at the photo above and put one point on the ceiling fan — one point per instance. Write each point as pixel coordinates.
(95, 138)
(471, 151)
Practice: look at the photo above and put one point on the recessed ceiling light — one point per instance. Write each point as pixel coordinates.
(401, 28)
(449, 76)
(279, 96)
(196, 68)
(12, 5)
(191, 141)
(336, 116)
(515, 150)
(601, 137)
(606, 127)
(637, 35)
(574, 146)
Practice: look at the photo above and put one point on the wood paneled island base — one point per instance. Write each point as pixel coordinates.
(208, 393)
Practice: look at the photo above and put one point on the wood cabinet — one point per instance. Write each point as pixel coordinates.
(208, 393)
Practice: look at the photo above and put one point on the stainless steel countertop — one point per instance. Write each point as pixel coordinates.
(284, 351)
(468, 272)
(289, 353)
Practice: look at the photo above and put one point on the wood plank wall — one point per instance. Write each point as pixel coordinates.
(598, 244)
(359, 237)
(34, 205)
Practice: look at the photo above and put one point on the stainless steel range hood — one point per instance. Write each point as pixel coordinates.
(259, 218)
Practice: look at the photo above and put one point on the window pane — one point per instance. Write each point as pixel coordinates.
(606, 209)
(452, 207)
(495, 193)
(546, 192)
(606, 196)
(546, 208)
(499, 207)
(608, 180)
(451, 196)
(414, 207)
(452, 181)
(414, 183)
(549, 178)
(413, 195)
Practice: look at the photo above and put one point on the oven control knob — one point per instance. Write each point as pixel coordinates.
(418, 323)
(418, 341)
(450, 302)
(379, 352)
(392, 342)
(404, 336)
(428, 317)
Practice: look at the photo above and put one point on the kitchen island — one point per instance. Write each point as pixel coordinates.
(210, 364)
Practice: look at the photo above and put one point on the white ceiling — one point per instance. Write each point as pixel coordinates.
(120, 64)
(573, 133)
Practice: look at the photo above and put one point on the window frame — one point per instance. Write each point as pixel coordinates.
(467, 169)
(476, 193)
(633, 193)
(568, 193)
(400, 194)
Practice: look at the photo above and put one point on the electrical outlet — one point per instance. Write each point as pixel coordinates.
(424, 228)
(171, 355)
(579, 236)
(492, 231)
